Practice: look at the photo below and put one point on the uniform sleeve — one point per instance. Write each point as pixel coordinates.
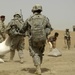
(48, 28)
(2, 27)
(10, 24)
(25, 27)
(8, 27)
(49, 25)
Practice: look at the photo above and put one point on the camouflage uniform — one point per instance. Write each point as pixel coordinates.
(36, 50)
(67, 39)
(2, 29)
(17, 40)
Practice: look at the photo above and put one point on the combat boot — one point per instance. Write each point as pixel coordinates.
(38, 70)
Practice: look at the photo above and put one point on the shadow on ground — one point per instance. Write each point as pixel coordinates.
(32, 70)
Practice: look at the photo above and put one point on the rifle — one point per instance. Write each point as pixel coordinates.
(21, 14)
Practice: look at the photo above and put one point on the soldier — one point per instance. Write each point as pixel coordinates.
(2, 28)
(52, 40)
(36, 26)
(67, 39)
(13, 29)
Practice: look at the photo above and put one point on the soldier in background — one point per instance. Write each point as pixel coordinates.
(2, 28)
(17, 42)
(67, 39)
(36, 26)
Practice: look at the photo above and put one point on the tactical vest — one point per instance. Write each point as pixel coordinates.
(37, 24)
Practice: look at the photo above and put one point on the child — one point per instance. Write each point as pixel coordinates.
(52, 40)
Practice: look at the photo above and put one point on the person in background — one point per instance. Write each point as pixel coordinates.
(2, 28)
(67, 39)
(52, 40)
(17, 42)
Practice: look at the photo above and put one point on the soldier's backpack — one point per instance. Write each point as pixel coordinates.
(38, 24)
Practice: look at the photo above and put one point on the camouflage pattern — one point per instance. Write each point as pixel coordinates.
(36, 49)
(67, 39)
(36, 52)
(17, 42)
(37, 24)
(2, 31)
(17, 15)
(37, 7)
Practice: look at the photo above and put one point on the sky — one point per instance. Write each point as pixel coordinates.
(61, 13)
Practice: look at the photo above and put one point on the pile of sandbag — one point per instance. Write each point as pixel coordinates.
(55, 52)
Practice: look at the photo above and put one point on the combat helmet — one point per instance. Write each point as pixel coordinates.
(17, 15)
(37, 7)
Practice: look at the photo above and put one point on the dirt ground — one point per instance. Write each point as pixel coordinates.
(63, 65)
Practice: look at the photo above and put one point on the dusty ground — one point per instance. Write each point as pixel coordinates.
(63, 65)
